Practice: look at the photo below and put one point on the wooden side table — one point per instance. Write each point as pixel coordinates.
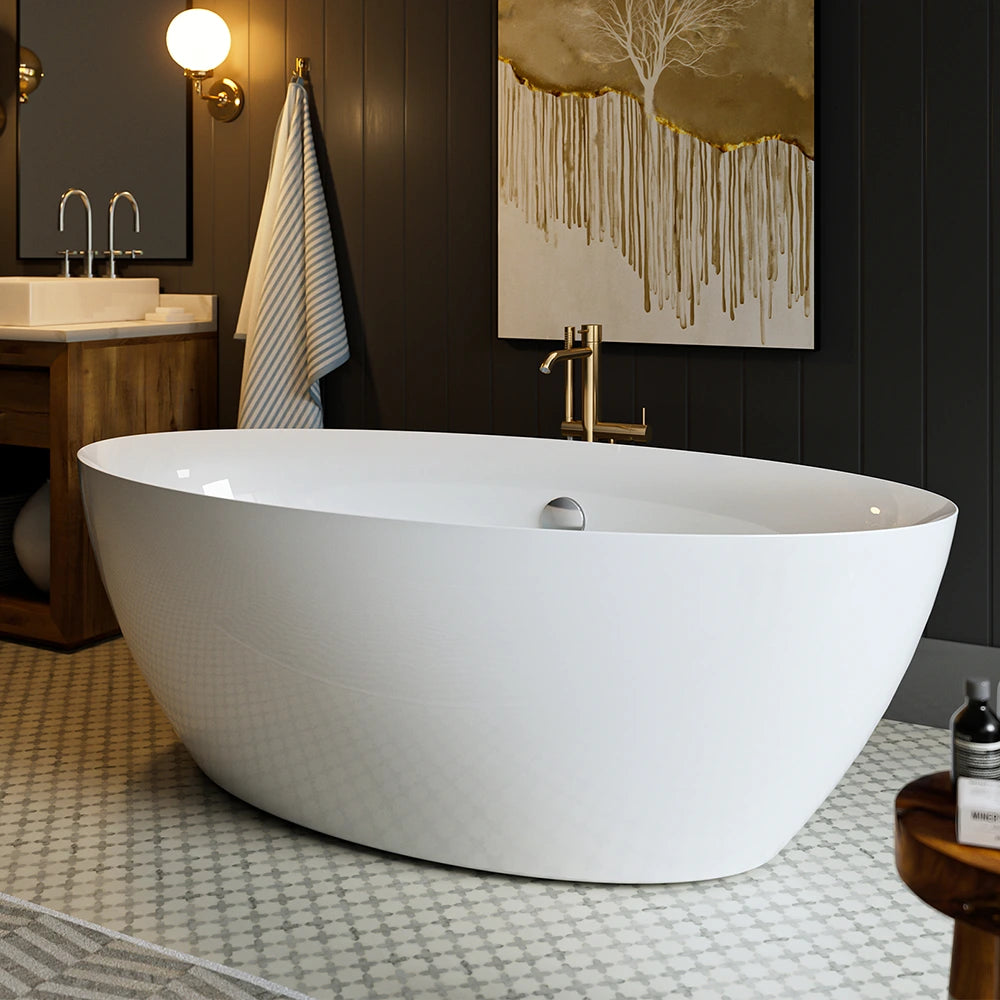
(956, 879)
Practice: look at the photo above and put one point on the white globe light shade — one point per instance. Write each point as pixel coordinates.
(198, 39)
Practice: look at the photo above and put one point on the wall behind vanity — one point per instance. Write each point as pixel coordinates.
(903, 384)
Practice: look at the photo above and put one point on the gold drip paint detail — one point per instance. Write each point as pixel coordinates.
(676, 207)
(726, 147)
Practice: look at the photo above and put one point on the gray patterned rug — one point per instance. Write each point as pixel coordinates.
(47, 954)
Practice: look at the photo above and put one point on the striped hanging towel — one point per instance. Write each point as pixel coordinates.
(292, 316)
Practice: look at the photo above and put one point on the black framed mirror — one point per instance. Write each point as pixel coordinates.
(111, 114)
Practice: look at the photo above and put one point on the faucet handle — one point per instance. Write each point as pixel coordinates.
(66, 256)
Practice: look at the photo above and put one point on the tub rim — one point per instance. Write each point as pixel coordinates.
(947, 510)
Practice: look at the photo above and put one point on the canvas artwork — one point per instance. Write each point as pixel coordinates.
(655, 171)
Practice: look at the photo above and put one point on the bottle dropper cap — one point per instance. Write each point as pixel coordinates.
(977, 689)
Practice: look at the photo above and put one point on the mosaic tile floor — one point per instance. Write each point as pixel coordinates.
(104, 816)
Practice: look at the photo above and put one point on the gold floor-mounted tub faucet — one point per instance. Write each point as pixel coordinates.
(589, 427)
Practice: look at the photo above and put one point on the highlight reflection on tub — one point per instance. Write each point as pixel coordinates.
(367, 632)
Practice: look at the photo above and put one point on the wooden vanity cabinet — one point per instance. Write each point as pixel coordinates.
(61, 396)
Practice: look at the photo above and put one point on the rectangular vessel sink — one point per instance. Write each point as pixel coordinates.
(26, 301)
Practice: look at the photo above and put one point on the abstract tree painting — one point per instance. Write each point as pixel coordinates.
(656, 170)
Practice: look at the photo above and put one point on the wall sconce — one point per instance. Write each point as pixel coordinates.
(198, 40)
(29, 73)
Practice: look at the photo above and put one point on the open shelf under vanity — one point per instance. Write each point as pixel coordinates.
(57, 395)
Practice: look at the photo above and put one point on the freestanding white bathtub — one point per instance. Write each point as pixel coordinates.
(368, 633)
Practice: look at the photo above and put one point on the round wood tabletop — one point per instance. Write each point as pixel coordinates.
(956, 879)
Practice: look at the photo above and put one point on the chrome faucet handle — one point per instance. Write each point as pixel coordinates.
(67, 256)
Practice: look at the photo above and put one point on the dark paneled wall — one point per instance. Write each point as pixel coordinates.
(902, 384)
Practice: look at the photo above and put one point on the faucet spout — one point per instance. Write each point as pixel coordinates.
(589, 353)
(90, 223)
(111, 225)
(567, 354)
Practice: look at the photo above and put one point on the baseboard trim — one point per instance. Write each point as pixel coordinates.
(934, 683)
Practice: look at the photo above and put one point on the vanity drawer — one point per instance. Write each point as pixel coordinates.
(24, 406)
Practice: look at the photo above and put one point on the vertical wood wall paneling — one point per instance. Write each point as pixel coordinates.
(617, 389)
(892, 300)
(385, 267)
(304, 31)
(831, 408)
(230, 210)
(994, 334)
(518, 386)
(772, 404)
(472, 195)
(956, 58)
(270, 74)
(661, 387)
(715, 400)
(344, 389)
(426, 207)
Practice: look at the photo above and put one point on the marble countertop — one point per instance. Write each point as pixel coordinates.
(204, 309)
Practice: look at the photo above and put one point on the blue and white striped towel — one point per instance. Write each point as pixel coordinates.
(292, 315)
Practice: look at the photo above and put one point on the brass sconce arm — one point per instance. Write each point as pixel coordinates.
(225, 95)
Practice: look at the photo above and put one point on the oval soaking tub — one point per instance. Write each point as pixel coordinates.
(368, 633)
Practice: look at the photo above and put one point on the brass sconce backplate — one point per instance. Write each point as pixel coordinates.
(225, 99)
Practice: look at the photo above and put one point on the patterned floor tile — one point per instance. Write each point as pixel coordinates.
(104, 815)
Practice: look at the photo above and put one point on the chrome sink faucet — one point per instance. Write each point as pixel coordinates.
(90, 226)
(111, 225)
(589, 427)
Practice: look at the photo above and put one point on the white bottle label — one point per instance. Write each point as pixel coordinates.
(976, 760)
(977, 812)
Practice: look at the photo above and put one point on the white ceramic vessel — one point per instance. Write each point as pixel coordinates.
(33, 301)
(367, 632)
(32, 537)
